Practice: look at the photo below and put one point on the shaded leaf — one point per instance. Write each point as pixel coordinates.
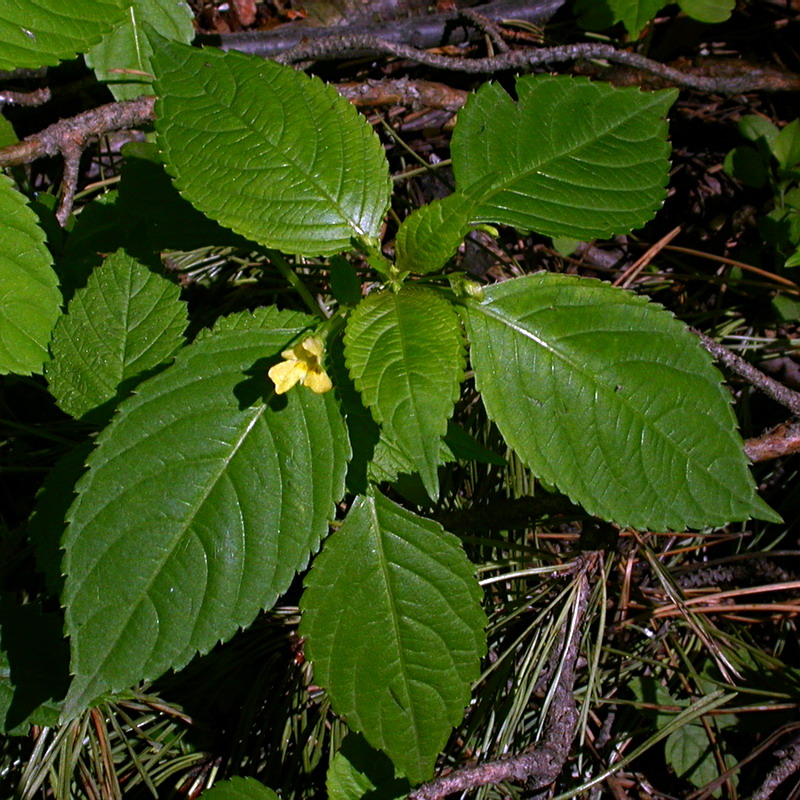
(49, 519)
(395, 630)
(571, 158)
(29, 297)
(405, 353)
(33, 669)
(359, 771)
(708, 10)
(239, 789)
(126, 322)
(35, 33)
(125, 51)
(608, 397)
(201, 502)
(269, 152)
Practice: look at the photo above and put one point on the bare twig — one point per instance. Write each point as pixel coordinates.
(79, 129)
(782, 440)
(488, 26)
(38, 97)
(541, 765)
(362, 44)
(789, 764)
(777, 391)
(403, 91)
(70, 137)
(424, 30)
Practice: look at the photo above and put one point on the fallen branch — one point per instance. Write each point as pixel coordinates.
(788, 766)
(352, 45)
(69, 137)
(540, 766)
(421, 31)
(777, 391)
(782, 440)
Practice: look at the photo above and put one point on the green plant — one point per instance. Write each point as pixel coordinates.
(210, 485)
(773, 161)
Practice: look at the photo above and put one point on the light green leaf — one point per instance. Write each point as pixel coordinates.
(239, 789)
(128, 48)
(7, 134)
(126, 322)
(29, 297)
(405, 353)
(36, 33)
(430, 235)
(608, 397)
(708, 10)
(203, 498)
(571, 158)
(359, 771)
(395, 630)
(786, 146)
(635, 14)
(270, 152)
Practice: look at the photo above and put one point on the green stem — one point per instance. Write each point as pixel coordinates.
(291, 277)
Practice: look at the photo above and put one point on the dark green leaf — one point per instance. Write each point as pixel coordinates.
(395, 630)
(203, 498)
(239, 789)
(405, 353)
(571, 158)
(127, 321)
(608, 397)
(277, 156)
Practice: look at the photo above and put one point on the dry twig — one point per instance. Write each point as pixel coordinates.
(541, 765)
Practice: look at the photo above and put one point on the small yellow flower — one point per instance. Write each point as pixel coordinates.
(302, 364)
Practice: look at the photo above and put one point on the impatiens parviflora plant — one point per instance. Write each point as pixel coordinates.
(216, 481)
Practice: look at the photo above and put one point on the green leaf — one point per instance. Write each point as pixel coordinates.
(48, 521)
(359, 771)
(708, 10)
(240, 789)
(756, 128)
(7, 134)
(28, 286)
(430, 235)
(33, 668)
(747, 165)
(608, 397)
(201, 502)
(571, 158)
(127, 48)
(344, 280)
(395, 630)
(36, 33)
(152, 213)
(277, 156)
(405, 353)
(635, 14)
(126, 322)
(689, 753)
(786, 146)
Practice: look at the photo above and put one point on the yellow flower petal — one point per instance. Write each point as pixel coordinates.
(314, 345)
(287, 374)
(318, 381)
